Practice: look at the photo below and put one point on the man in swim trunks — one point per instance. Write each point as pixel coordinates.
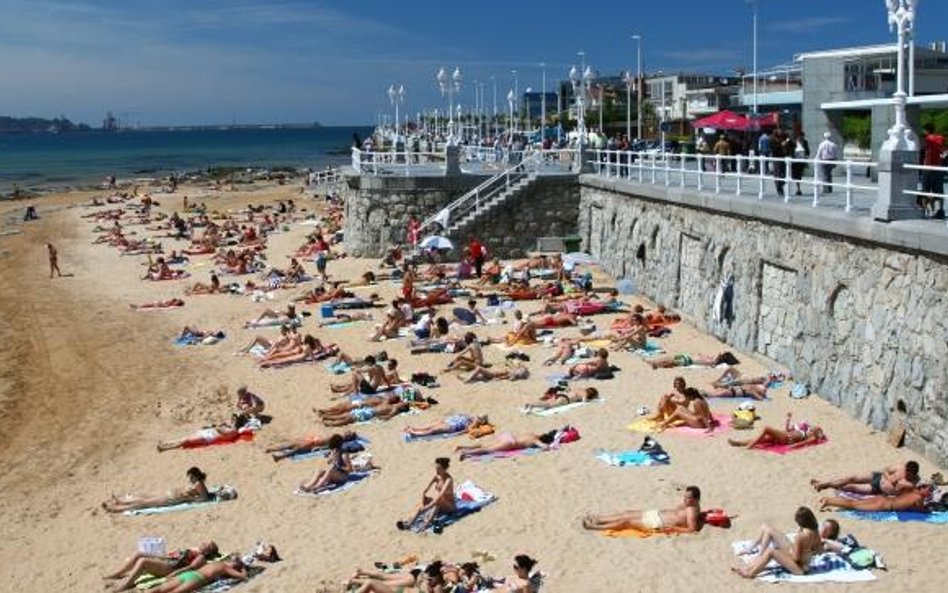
(891, 481)
(685, 518)
(439, 502)
(368, 380)
(192, 580)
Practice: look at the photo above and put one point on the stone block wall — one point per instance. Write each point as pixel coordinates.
(865, 324)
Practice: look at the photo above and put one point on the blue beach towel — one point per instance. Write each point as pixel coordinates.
(190, 339)
(356, 445)
(633, 458)
(409, 438)
(938, 518)
(184, 506)
(355, 478)
(468, 498)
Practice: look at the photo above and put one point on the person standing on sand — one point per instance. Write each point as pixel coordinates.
(53, 260)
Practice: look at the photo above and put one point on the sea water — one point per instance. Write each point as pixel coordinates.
(40, 162)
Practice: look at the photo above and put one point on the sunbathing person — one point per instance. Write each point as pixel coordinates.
(193, 580)
(249, 403)
(368, 380)
(507, 441)
(554, 398)
(436, 499)
(591, 368)
(661, 317)
(568, 348)
(383, 411)
(524, 331)
(686, 360)
(305, 445)
(522, 581)
(339, 318)
(511, 372)
(200, 288)
(795, 435)
(915, 500)
(271, 317)
(491, 273)
(685, 518)
(634, 337)
(455, 424)
(793, 556)
(695, 413)
(468, 315)
(195, 333)
(368, 401)
(219, 433)
(289, 341)
(339, 466)
(158, 305)
(312, 351)
(386, 582)
(732, 377)
(754, 391)
(670, 402)
(468, 359)
(394, 320)
(555, 320)
(891, 481)
(441, 296)
(161, 566)
(196, 492)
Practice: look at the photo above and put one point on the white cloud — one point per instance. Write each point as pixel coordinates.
(810, 24)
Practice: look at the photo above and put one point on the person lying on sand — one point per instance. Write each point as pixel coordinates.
(436, 499)
(754, 391)
(219, 433)
(455, 424)
(348, 317)
(522, 581)
(670, 402)
(313, 350)
(158, 304)
(305, 445)
(793, 556)
(732, 377)
(591, 368)
(193, 580)
(694, 413)
(554, 398)
(684, 518)
(368, 401)
(429, 580)
(506, 441)
(890, 481)
(555, 320)
(194, 332)
(161, 566)
(196, 492)
(511, 372)
(338, 468)
(468, 359)
(795, 435)
(289, 341)
(269, 316)
(200, 288)
(383, 411)
(912, 500)
(686, 360)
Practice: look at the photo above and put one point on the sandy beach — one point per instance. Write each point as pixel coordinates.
(88, 387)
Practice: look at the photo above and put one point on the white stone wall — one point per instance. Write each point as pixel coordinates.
(865, 326)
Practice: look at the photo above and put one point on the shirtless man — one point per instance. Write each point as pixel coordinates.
(439, 502)
(671, 401)
(589, 369)
(912, 500)
(891, 481)
(468, 359)
(685, 518)
(695, 413)
(368, 380)
(53, 260)
(383, 411)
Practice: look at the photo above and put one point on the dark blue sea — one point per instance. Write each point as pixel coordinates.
(39, 162)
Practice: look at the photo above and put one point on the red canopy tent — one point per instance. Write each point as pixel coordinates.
(726, 120)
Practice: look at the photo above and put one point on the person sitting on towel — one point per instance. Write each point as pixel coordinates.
(161, 565)
(591, 368)
(436, 499)
(368, 380)
(196, 492)
(684, 518)
(339, 466)
(695, 413)
(794, 556)
(891, 481)
(468, 359)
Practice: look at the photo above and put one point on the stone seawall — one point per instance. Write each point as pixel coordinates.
(863, 322)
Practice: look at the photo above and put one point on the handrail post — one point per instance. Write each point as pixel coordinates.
(849, 186)
(653, 168)
(816, 182)
(684, 159)
(761, 169)
(700, 171)
(717, 173)
(787, 178)
(640, 159)
(738, 163)
(667, 169)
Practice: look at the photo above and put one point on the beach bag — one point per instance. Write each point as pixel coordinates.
(717, 518)
(567, 435)
(743, 419)
(153, 546)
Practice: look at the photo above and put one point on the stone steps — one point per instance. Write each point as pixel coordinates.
(498, 199)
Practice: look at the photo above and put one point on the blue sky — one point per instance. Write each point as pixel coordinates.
(262, 61)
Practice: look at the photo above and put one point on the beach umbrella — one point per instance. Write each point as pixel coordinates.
(436, 242)
(578, 258)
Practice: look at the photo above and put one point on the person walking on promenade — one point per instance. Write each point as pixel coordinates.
(763, 149)
(781, 147)
(53, 260)
(827, 151)
(933, 182)
(801, 152)
(722, 148)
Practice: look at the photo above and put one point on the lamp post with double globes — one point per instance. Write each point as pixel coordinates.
(510, 122)
(581, 82)
(629, 79)
(397, 97)
(902, 18)
(450, 86)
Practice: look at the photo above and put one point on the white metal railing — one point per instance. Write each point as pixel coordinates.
(393, 162)
(475, 199)
(560, 158)
(325, 177)
(931, 186)
(743, 175)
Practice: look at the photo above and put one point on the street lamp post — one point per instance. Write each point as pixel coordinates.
(902, 17)
(628, 103)
(510, 103)
(581, 83)
(493, 80)
(526, 102)
(543, 107)
(397, 97)
(638, 85)
(450, 86)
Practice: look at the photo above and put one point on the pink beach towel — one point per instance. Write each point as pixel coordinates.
(784, 449)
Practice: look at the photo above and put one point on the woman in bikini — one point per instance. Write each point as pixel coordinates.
(196, 492)
(219, 433)
(288, 342)
(695, 413)
(914, 500)
(591, 368)
(468, 359)
(557, 399)
(521, 581)
(339, 466)
(512, 372)
(305, 445)
(312, 350)
(193, 580)
(795, 435)
(200, 288)
(158, 305)
(161, 566)
(507, 441)
(794, 556)
(687, 360)
(455, 424)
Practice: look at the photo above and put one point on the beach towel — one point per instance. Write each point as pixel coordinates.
(784, 449)
(504, 454)
(242, 435)
(936, 518)
(340, 324)
(271, 322)
(635, 532)
(651, 349)
(355, 478)
(184, 506)
(637, 458)
(190, 339)
(556, 410)
(338, 368)
(824, 568)
(468, 498)
(647, 425)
